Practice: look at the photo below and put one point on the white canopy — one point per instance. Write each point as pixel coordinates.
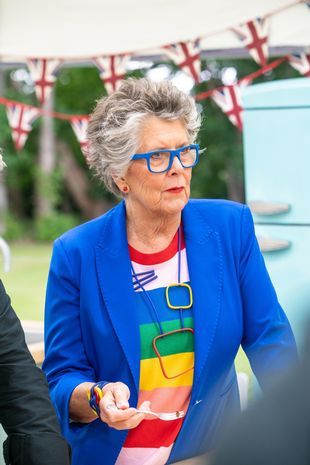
(77, 29)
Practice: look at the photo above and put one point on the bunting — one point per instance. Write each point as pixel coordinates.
(186, 55)
(301, 62)
(43, 72)
(112, 70)
(254, 36)
(21, 118)
(79, 125)
(228, 99)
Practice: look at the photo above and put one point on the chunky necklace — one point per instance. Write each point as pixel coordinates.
(140, 280)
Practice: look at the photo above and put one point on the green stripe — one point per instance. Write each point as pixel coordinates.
(169, 345)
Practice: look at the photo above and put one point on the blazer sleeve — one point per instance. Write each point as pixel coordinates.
(26, 411)
(66, 365)
(268, 340)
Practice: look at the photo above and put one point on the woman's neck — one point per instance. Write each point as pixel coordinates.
(150, 232)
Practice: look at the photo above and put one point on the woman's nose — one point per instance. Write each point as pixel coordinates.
(176, 166)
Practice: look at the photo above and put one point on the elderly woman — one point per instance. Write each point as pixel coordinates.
(148, 305)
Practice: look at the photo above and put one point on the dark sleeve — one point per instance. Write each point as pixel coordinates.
(26, 412)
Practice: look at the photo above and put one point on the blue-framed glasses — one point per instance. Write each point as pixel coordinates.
(159, 161)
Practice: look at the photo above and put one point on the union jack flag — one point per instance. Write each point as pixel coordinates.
(20, 118)
(301, 62)
(229, 100)
(254, 36)
(79, 126)
(43, 72)
(112, 70)
(186, 55)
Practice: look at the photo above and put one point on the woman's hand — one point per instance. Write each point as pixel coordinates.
(114, 406)
(115, 410)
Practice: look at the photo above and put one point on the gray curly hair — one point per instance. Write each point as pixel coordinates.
(115, 124)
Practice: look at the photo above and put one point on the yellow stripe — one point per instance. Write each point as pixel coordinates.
(151, 375)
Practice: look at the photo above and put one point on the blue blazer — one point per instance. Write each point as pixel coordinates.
(92, 333)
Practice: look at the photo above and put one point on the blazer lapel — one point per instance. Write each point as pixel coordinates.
(114, 273)
(204, 255)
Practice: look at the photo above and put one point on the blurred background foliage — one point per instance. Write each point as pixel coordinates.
(71, 193)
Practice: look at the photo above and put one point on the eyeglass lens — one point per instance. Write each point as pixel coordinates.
(159, 161)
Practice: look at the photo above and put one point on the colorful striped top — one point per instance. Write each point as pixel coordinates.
(150, 443)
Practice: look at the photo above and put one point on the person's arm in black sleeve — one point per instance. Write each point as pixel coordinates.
(26, 411)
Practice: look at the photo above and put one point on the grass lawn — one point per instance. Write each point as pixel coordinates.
(26, 282)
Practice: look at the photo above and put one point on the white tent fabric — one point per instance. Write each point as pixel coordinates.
(76, 29)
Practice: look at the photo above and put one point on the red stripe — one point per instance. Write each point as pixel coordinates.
(113, 77)
(257, 43)
(189, 61)
(167, 399)
(18, 130)
(42, 83)
(236, 109)
(158, 257)
(154, 433)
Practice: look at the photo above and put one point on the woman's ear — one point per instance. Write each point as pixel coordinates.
(121, 183)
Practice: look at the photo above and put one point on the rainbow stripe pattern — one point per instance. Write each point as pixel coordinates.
(151, 442)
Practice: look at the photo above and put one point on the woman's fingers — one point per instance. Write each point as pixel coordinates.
(121, 395)
(120, 419)
(114, 407)
(115, 395)
(108, 401)
(131, 423)
(110, 410)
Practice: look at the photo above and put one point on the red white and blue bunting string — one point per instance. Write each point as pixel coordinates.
(21, 118)
(112, 70)
(228, 98)
(254, 36)
(43, 72)
(186, 55)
